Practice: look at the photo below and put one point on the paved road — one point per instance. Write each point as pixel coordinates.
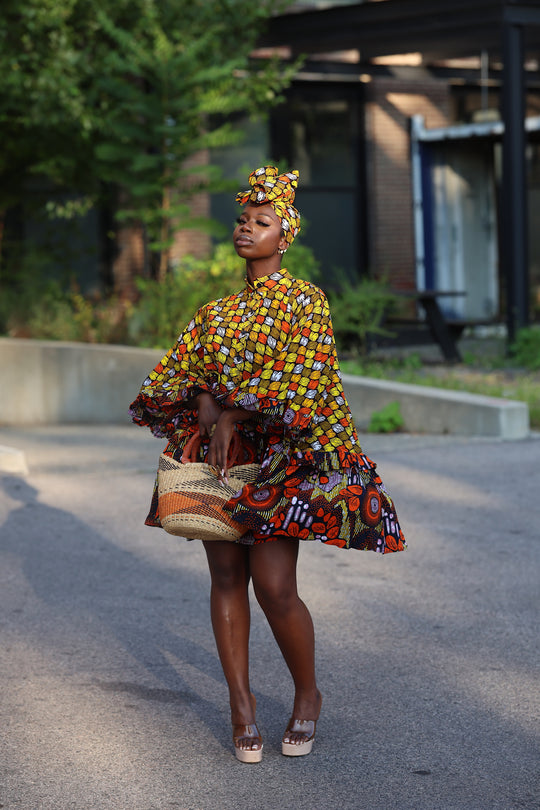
(112, 694)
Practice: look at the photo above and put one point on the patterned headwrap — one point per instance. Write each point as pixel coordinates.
(278, 191)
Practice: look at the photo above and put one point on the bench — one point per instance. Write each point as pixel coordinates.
(439, 326)
(444, 331)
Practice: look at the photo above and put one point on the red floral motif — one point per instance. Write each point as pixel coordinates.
(293, 529)
(291, 486)
(277, 520)
(392, 544)
(353, 495)
(326, 524)
(336, 541)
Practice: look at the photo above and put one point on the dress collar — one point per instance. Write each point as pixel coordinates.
(268, 281)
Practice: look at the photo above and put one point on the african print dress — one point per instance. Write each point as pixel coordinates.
(270, 349)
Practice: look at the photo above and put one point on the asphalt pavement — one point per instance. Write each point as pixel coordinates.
(112, 695)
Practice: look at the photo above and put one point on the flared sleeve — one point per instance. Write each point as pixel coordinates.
(288, 388)
(178, 377)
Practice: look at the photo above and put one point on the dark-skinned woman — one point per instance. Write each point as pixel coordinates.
(262, 364)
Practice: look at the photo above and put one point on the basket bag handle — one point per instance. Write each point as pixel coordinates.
(193, 446)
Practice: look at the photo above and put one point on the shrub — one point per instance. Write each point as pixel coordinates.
(39, 299)
(358, 313)
(68, 315)
(526, 348)
(32, 305)
(24, 281)
(300, 261)
(386, 420)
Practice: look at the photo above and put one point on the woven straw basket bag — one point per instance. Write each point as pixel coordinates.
(191, 497)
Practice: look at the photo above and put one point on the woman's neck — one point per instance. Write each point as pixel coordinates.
(259, 269)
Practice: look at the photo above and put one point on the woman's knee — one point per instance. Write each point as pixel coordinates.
(273, 571)
(275, 594)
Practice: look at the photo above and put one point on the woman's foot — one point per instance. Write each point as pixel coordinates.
(248, 745)
(299, 735)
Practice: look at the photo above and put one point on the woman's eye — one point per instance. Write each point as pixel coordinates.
(242, 221)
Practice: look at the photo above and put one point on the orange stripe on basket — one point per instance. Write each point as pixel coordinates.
(209, 506)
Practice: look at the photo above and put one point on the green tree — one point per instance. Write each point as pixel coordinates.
(42, 107)
(113, 97)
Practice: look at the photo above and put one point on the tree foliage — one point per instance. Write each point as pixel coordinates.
(115, 96)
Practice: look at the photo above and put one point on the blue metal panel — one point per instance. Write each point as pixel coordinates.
(427, 212)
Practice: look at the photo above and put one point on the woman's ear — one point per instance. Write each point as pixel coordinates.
(283, 244)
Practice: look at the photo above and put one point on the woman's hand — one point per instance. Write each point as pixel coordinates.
(218, 449)
(208, 411)
(218, 425)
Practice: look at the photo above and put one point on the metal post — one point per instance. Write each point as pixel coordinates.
(514, 231)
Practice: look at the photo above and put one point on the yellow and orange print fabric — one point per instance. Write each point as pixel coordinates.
(270, 349)
(278, 190)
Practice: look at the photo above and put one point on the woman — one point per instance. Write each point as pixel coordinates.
(263, 363)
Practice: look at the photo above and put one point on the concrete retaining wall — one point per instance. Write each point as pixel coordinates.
(49, 382)
(52, 382)
(434, 410)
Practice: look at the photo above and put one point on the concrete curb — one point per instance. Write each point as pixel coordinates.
(434, 410)
(12, 461)
(50, 382)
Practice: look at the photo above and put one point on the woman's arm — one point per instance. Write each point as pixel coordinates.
(208, 412)
(212, 416)
(163, 402)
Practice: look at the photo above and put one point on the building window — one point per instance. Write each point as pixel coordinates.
(318, 131)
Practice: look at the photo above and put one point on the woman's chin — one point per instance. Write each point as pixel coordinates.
(242, 250)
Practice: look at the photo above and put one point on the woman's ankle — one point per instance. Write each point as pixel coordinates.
(243, 708)
(307, 704)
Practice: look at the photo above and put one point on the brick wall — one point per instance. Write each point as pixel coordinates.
(390, 104)
(130, 259)
(189, 240)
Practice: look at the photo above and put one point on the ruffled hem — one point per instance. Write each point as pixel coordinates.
(335, 498)
(166, 417)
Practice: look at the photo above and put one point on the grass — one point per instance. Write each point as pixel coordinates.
(490, 374)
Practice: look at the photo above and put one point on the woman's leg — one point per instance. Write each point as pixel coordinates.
(273, 570)
(229, 610)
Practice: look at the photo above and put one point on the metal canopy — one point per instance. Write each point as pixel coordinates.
(439, 29)
(509, 30)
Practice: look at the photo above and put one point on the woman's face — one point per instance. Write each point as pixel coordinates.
(258, 234)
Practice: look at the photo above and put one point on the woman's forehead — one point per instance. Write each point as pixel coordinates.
(265, 210)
